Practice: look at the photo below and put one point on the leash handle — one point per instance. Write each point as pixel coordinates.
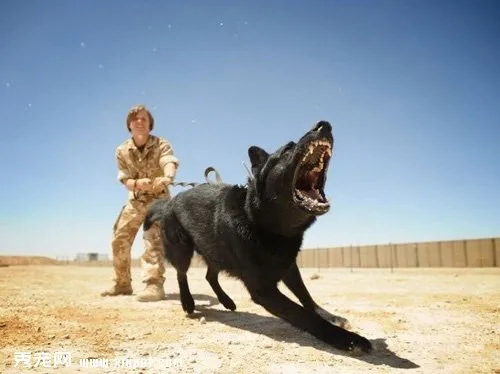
(217, 175)
(208, 170)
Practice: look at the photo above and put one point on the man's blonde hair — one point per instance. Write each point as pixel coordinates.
(136, 109)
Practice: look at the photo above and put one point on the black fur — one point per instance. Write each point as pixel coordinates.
(254, 233)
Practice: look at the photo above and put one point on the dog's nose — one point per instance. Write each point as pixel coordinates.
(322, 125)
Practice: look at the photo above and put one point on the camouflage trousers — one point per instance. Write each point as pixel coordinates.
(125, 229)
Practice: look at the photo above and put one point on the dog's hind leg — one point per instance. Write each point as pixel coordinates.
(293, 280)
(179, 255)
(281, 306)
(179, 251)
(187, 300)
(212, 278)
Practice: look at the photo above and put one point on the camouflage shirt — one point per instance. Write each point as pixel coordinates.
(150, 163)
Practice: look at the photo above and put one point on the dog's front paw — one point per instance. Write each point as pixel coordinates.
(358, 345)
(341, 322)
(333, 319)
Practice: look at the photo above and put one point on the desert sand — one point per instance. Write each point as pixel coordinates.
(420, 321)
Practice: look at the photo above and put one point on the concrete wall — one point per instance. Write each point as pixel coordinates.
(452, 253)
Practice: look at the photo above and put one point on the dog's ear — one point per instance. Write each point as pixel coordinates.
(258, 157)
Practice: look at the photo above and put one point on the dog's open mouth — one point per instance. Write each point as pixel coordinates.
(310, 176)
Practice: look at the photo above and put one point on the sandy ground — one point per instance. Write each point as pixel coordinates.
(420, 321)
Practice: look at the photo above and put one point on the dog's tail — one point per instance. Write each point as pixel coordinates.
(154, 213)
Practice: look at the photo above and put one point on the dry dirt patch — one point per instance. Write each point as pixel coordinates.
(421, 321)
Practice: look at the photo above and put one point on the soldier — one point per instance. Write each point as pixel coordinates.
(146, 165)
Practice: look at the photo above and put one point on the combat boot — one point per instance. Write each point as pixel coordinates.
(152, 292)
(118, 289)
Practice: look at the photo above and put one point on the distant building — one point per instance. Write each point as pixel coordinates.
(91, 256)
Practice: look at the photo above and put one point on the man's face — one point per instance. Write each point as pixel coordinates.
(139, 125)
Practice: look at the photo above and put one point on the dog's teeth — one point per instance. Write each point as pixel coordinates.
(318, 168)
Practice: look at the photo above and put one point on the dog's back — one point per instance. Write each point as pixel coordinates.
(197, 219)
(191, 205)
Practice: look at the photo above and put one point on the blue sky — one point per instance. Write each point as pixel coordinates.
(412, 89)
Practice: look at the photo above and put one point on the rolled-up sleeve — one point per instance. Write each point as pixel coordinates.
(123, 172)
(167, 154)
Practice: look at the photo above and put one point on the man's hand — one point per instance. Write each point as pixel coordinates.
(161, 183)
(143, 184)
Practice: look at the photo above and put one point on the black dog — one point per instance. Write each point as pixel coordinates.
(255, 232)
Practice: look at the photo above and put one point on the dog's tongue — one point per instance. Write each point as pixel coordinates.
(312, 178)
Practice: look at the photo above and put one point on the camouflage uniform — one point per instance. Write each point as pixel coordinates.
(134, 164)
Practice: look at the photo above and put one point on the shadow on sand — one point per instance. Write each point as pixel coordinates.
(280, 330)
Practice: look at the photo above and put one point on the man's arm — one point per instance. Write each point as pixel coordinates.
(168, 162)
(123, 173)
